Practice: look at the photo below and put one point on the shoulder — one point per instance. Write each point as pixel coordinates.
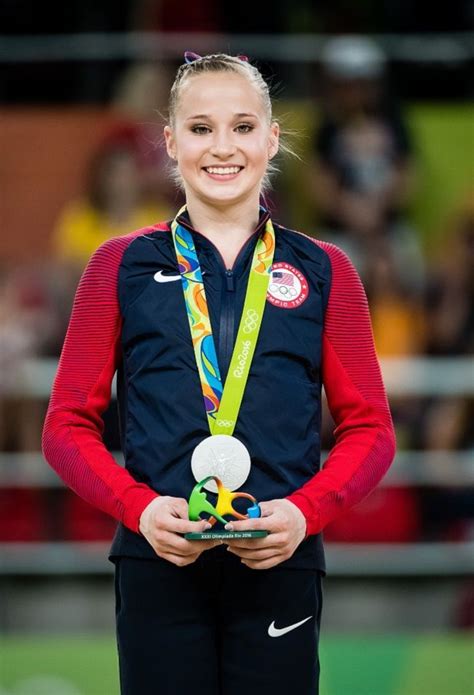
(111, 252)
(323, 249)
(334, 262)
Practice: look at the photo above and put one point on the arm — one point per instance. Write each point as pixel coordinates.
(72, 434)
(365, 438)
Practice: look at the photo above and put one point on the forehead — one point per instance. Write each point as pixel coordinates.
(219, 93)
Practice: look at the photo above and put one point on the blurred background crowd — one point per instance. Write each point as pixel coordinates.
(385, 142)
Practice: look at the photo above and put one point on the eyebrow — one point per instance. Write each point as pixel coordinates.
(236, 115)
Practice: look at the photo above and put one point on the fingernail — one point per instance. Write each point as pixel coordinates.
(228, 527)
(207, 526)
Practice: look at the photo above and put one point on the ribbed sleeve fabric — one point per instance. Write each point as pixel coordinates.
(364, 432)
(72, 434)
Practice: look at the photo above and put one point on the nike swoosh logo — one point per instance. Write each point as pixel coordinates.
(278, 632)
(159, 277)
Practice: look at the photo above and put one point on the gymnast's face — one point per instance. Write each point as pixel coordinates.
(222, 139)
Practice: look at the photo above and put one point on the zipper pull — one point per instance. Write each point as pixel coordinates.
(229, 275)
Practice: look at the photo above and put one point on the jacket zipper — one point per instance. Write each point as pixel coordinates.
(226, 332)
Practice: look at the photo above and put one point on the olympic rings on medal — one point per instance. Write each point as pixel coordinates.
(225, 423)
(250, 322)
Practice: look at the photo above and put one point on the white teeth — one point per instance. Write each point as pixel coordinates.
(223, 170)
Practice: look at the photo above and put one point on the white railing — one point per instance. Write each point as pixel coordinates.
(343, 559)
(453, 468)
(418, 376)
(410, 376)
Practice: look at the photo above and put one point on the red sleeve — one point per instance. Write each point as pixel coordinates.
(72, 434)
(364, 433)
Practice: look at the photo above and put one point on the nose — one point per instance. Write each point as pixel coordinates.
(222, 145)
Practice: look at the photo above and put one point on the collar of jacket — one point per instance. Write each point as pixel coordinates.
(184, 220)
(206, 245)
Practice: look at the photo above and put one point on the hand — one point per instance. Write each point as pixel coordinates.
(286, 525)
(163, 520)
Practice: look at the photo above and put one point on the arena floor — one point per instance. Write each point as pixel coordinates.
(425, 664)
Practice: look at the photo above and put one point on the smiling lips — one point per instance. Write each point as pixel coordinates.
(220, 173)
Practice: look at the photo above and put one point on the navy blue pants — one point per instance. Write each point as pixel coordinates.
(216, 627)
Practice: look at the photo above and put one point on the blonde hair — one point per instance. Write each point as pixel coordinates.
(222, 62)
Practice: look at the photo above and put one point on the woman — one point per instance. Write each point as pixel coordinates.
(112, 204)
(244, 615)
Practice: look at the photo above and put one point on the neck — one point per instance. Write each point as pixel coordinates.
(227, 224)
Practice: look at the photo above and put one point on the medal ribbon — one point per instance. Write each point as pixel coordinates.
(223, 403)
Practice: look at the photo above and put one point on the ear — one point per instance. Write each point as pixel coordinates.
(273, 139)
(170, 142)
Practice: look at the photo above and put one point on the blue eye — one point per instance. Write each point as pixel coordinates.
(247, 127)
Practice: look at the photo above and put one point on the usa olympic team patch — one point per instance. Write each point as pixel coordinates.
(288, 287)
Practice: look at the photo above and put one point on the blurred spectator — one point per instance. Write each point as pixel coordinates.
(390, 514)
(141, 97)
(116, 202)
(447, 508)
(397, 314)
(27, 322)
(445, 424)
(112, 205)
(399, 327)
(450, 288)
(363, 174)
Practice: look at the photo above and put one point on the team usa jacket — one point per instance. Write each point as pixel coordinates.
(129, 317)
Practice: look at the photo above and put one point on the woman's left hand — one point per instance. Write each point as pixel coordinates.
(286, 526)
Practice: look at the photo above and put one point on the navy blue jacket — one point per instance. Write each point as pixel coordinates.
(315, 330)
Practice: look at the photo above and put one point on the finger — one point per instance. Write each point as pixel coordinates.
(179, 560)
(261, 524)
(273, 540)
(164, 542)
(165, 548)
(254, 554)
(266, 508)
(263, 564)
(171, 542)
(185, 525)
(180, 506)
(175, 543)
(205, 545)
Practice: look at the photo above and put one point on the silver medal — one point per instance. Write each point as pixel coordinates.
(223, 456)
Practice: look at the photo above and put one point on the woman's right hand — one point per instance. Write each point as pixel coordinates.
(162, 522)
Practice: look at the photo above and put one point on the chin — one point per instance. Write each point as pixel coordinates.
(226, 197)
